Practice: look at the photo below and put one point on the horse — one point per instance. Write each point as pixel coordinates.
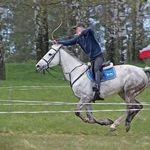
(130, 81)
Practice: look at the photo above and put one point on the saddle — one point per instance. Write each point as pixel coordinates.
(108, 72)
(107, 64)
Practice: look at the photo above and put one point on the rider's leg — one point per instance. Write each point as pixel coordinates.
(97, 70)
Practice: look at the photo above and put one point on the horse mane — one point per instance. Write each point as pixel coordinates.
(72, 54)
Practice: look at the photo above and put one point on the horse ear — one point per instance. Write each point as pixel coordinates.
(57, 46)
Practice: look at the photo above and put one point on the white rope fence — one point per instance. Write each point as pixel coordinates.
(33, 87)
(11, 102)
(31, 102)
(46, 103)
(67, 111)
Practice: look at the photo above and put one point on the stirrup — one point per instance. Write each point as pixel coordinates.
(96, 88)
(97, 97)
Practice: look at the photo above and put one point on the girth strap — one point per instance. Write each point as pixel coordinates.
(71, 84)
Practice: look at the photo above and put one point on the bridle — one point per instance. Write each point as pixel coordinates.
(52, 57)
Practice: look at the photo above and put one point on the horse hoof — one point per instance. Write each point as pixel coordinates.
(105, 122)
(127, 126)
(109, 121)
(87, 120)
(112, 129)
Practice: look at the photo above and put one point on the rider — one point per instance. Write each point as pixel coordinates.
(87, 41)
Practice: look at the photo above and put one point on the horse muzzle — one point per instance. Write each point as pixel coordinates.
(40, 68)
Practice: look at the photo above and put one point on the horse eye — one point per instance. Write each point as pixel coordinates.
(50, 54)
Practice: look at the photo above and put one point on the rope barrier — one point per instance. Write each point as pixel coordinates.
(67, 111)
(34, 87)
(27, 102)
(59, 104)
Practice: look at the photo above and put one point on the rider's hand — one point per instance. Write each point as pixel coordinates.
(54, 42)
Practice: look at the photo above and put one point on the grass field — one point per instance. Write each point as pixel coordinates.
(61, 131)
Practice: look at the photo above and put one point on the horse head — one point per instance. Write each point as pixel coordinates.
(50, 59)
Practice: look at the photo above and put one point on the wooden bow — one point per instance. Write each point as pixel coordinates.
(52, 35)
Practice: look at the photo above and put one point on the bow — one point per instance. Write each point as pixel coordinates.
(52, 35)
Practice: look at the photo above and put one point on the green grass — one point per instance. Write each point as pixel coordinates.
(61, 131)
(25, 74)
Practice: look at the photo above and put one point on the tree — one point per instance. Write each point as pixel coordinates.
(111, 30)
(2, 64)
(115, 30)
(123, 23)
(41, 28)
(137, 32)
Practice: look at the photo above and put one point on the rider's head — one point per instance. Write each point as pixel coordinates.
(78, 28)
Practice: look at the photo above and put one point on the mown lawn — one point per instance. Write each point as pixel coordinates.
(61, 131)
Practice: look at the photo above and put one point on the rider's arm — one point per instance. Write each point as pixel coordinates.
(68, 42)
(88, 30)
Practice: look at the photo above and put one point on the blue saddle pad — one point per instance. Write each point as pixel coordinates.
(107, 74)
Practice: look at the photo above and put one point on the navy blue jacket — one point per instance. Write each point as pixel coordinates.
(87, 42)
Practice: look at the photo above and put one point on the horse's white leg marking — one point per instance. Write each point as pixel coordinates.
(118, 121)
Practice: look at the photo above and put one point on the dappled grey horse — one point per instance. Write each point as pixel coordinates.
(129, 82)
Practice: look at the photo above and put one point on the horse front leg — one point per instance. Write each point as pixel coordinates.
(91, 119)
(78, 110)
(89, 114)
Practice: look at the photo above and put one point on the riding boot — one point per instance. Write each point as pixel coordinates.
(96, 89)
(97, 65)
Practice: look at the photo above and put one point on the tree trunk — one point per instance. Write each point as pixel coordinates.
(79, 14)
(2, 64)
(122, 32)
(112, 53)
(137, 30)
(41, 25)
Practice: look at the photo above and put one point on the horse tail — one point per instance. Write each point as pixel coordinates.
(147, 71)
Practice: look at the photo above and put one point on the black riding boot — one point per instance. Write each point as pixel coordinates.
(96, 89)
(96, 66)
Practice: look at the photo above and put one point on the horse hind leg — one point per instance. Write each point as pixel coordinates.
(120, 119)
(132, 111)
(133, 106)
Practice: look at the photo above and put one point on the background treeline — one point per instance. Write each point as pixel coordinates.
(122, 27)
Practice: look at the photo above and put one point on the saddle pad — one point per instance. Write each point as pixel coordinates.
(107, 74)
